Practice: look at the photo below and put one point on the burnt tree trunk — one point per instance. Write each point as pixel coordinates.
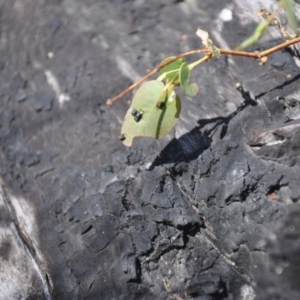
(209, 212)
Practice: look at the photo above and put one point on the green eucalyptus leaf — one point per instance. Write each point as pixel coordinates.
(256, 35)
(172, 70)
(290, 12)
(190, 89)
(145, 117)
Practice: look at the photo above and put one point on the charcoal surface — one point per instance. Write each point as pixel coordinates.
(210, 212)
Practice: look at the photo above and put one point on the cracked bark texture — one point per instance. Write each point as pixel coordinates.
(209, 212)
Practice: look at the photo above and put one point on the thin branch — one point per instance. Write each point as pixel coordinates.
(240, 53)
(152, 72)
(279, 47)
(257, 54)
(208, 53)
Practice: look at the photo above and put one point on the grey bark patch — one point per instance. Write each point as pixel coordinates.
(30, 159)
(129, 266)
(18, 82)
(279, 59)
(5, 249)
(205, 284)
(86, 208)
(106, 228)
(41, 101)
(5, 216)
(284, 255)
(21, 96)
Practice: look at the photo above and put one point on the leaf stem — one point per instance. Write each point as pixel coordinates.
(200, 61)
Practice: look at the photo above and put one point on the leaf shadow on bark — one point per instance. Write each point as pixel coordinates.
(192, 144)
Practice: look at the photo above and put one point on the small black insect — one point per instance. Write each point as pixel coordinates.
(134, 112)
(137, 115)
(161, 105)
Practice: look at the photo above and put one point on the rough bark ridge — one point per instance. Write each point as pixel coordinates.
(210, 212)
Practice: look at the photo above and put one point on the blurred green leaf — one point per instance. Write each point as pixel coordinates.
(256, 35)
(290, 13)
(190, 89)
(172, 70)
(155, 122)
